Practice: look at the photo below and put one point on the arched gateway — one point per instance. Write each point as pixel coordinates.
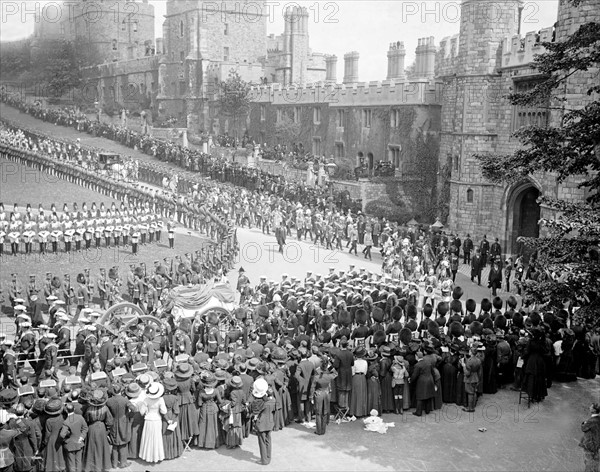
(522, 217)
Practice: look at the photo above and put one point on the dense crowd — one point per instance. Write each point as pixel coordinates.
(335, 346)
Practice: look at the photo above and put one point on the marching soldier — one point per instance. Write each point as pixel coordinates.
(68, 293)
(9, 365)
(103, 289)
(14, 290)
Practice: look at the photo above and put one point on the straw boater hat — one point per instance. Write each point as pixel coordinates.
(155, 390)
(133, 390)
(54, 407)
(235, 382)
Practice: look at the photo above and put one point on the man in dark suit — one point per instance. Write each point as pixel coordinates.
(467, 249)
(495, 278)
(120, 432)
(343, 362)
(476, 266)
(590, 442)
(484, 247)
(472, 375)
(73, 432)
(304, 374)
(247, 382)
(262, 409)
(422, 379)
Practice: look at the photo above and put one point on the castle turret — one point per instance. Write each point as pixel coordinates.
(331, 68)
(396, 55)
(351, 67)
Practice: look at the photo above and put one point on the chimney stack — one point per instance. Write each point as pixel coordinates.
(331, 69)
(351, 67)
(425, 58)
(396, 55)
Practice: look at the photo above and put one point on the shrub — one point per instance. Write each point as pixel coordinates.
(384, 208)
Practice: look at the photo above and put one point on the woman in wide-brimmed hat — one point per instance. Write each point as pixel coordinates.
(53, 455)
(188, 413)
(171, 434)
(373, 385)
(96, 455)
(207, 400)
(233, 423)
(151, 445)
(136, 396)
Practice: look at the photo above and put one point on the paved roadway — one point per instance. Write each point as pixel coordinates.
(544, 437)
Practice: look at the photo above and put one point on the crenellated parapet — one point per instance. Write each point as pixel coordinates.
(447, 53)
(518, 51)
(384, 93)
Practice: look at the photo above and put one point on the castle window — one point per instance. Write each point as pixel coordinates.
(317, 116)
(528, 115)
(395, 118)
(114, 44)
(123, 27)
(181, 29)
(394, 155)
(469, 196)
(316, 146)
(226, 29)
(225, 54)
(296, 114)
(456, 160)
(340, 118)
(182, 87)
(263, 113)
(135, 26)
(181, 56)
(339, 150)
(366, 118)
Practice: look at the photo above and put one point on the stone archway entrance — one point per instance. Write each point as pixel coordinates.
(523, 214)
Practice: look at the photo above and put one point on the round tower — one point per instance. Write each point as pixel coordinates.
(483, 26)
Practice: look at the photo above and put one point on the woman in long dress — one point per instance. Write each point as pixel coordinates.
(188, 413)
(385, 380)
(208, 401)
(136, 420)
(153, 408)
(358, 397)
(51, 441)
(373, 385)
(233, 423)
(321, 383)
(171, 434)
(96, 455)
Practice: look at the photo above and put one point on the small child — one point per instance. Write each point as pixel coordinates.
(399, 374)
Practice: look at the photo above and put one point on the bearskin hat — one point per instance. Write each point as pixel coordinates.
(442, 308)
(56, 283)
(497, 303)
(455, 317)
(486, 305)
(456, 306)
(326, 322)
(262, 311)
(457, 292)
(292, 305)
(412, 325)
(456, 329)
(378, 337)
(476, 328)
(427, 310)
(344, 318)
(511, 301)
(213, 319)
(325, 337)
(377, 314)
(402, 303)
(396, 313)
(441, 320)
(411, 312)
(196, 267)
(471, 305)
(549, 318)
(517, 320)
(487, 323)
(535, 318)
(361, 316)
(405, 335)
(181, 268)
(433, 328)
(240, 314)
(500, 322)
(80, 278)
(161, 270)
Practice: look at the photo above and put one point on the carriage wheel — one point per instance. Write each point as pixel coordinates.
(121, 315)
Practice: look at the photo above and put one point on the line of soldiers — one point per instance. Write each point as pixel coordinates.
(78, 229)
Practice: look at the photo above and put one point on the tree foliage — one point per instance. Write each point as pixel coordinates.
(569, 148)
(287, 130)
(234, 97)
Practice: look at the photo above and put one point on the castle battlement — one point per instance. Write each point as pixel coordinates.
(520, 51)
(446, 56)
(112, 69)
(375, 93)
